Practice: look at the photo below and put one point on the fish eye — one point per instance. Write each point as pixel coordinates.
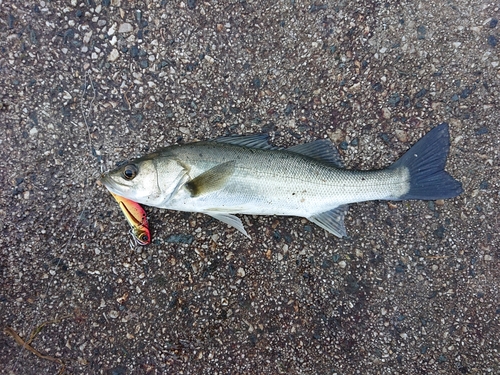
(129, 172)
(144, 238)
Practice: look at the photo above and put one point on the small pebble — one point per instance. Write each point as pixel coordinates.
(394, 99)
(180, 238)
(421, 31)
(112, 29)
(481, 131)
(134, 51)
(465, 93)
(113, 55)
(386, 113)
(493, 23)
(401, 136)
(125, 28)
(421, 93)
(385, 137)
(241, 272)
(118, 370)
(378, 87)
(431, 205)
(492, 40)
(113, 314)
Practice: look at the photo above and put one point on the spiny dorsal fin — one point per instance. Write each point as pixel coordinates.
(252, 141)
(332, 221)
(211, 180)
(320, 149)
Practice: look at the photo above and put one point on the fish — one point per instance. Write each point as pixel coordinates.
(136, 218)
(246, 175)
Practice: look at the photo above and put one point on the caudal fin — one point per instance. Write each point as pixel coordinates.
(425, 162)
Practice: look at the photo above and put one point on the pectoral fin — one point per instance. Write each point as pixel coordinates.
(332, 221)
(211, 180)
(229, 219)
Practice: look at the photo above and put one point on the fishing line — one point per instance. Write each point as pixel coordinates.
(75, 227)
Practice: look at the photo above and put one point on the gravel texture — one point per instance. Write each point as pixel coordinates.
(86, 84)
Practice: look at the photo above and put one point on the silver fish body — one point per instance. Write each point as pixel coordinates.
(245, 175)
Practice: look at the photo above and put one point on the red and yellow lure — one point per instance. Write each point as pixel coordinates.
(137, 219)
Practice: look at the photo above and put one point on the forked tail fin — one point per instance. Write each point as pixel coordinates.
(425, 162)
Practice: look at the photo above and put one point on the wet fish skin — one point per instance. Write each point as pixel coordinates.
(246, 175)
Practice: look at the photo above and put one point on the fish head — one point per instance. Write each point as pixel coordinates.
(150, 180)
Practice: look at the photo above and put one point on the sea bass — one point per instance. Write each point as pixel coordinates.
(246, 175)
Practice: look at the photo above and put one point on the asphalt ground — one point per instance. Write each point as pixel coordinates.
(414, 289)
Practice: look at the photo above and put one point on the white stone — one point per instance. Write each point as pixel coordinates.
(184, 130)
(241, 272)
(125, 28)
(386, 113)
(113, 55)
(112, 29)
(87, 36)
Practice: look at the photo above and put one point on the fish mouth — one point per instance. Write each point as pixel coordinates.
(109, 183)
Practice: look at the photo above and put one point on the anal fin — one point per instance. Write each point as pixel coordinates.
(229, 219)
(332, 221)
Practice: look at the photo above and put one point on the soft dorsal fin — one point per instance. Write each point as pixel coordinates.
(211, 180)
(252, 141)
(332, 221)
(320, 149)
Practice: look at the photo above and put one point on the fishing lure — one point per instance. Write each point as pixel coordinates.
(137, 219)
